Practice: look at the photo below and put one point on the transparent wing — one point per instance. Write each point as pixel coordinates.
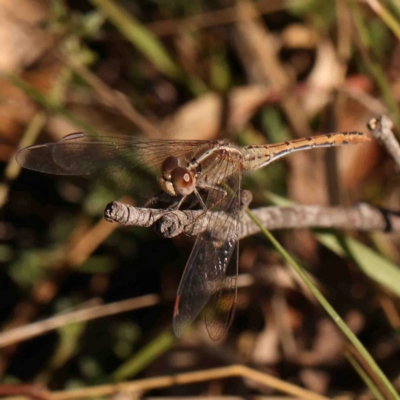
(108, 160)
(209, 279)
(83, 154)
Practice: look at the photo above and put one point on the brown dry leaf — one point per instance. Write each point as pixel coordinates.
(259, 53)
(202, 117)
(327, 347)
(356, 163)
(326, 76)
(21, 42)
(266, 345)
(300, 36)
(315, 380)
(327, 73)
(307, 179)
(16, 109)
(328, 343)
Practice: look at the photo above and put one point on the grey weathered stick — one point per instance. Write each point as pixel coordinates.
(174, 222)
(381, 128)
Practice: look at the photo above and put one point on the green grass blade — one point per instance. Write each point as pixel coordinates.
(48, 104)
(145, 356)
(147, 43)
(329, 309)
(139, 36)
(390, 20)
(377, 267)
(374, 68)
(364, 376)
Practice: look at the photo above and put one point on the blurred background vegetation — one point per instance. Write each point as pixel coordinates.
(251, 71)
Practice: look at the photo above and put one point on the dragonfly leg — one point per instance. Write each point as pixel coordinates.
(211, 187)
(246, 197)
(221, 199)
(177, 204)
(207, 188)
(217, 188)
(160, 196)
(203, 206)
(151, 201)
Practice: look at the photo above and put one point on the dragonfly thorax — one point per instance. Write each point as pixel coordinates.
(175, 179)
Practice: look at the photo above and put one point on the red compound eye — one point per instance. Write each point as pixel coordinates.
(183, 181)
(169, 164)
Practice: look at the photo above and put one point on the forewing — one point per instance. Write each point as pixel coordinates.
(209, 279)
(109, 159)
(83, 154)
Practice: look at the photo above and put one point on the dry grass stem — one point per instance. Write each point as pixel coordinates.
(39, 328)
(227, 15)
(143, 385)
(113, 99)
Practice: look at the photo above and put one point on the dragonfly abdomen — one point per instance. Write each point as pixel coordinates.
(255, 157)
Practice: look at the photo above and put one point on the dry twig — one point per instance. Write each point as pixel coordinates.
(381, 128)
(170, 223)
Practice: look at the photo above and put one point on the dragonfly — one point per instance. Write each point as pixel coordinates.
(209, 171)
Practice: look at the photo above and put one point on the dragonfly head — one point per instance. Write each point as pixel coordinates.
(176, 180)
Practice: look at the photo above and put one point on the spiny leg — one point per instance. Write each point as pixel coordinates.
(177, 204)
(159, 196)
(165, 197)
(199, 198)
